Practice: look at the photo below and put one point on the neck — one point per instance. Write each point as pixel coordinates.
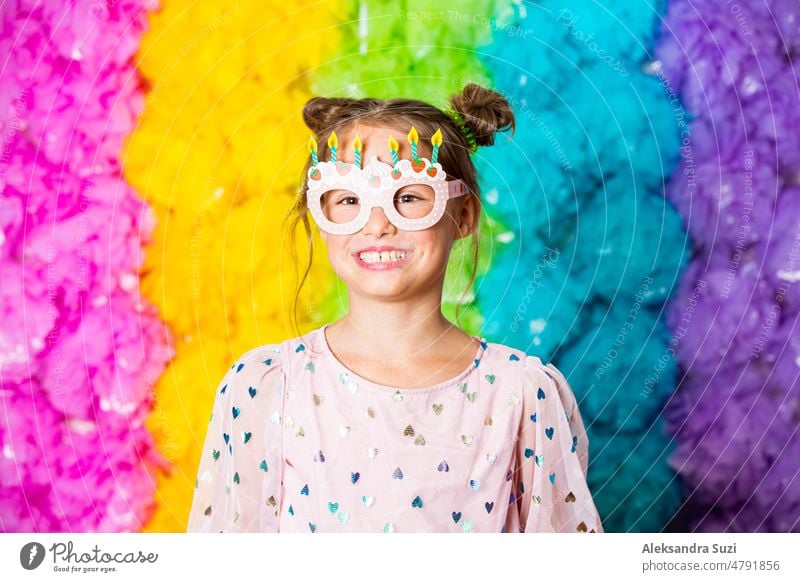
(399, 329)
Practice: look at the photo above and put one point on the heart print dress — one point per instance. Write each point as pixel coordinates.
(297, 442)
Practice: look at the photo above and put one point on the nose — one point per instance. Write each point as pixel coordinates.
(378, 223)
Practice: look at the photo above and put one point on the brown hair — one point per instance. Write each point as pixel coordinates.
(483, 110)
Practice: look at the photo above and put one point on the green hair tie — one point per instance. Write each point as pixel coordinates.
(463, 128)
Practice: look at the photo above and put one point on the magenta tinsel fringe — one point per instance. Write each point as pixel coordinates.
(79, 349)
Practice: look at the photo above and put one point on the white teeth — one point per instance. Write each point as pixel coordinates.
(382, 257)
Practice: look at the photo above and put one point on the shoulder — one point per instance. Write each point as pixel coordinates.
(526, 365)
(550, 382)
(257, 365)
(538, 381)
(252, 384)
(269, 355)
(272, 358)
(261, 353)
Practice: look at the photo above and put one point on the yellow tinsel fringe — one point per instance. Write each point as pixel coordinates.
(218, 154)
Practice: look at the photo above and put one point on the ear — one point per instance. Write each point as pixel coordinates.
(468, 218)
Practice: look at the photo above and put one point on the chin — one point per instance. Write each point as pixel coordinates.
(376, 283)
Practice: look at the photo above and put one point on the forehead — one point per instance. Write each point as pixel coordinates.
(373, 135)
(375, 141)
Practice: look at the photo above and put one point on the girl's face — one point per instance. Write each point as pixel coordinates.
(418, 259)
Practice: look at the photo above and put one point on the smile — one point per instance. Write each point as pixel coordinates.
(384, 257)
(382, 260)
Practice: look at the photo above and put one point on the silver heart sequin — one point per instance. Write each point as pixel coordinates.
(344, 378)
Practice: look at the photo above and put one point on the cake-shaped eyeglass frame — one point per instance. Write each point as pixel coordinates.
(413, 193)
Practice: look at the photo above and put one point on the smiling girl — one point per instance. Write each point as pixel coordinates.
(392, 419)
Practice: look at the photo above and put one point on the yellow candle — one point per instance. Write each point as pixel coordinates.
(312, 147)
(333, 141)
(357, 145)
(436, 141)
(393, 147)
(413, 138)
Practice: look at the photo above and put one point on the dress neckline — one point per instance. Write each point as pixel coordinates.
(361, 381)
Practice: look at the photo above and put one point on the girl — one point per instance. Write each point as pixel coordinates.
(392, 419)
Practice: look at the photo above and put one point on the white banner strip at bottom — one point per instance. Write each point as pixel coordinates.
(422, 557)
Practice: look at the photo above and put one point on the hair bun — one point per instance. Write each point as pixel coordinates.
(485, 112)
(320, 113)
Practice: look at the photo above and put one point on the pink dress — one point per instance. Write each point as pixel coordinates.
(299, 443)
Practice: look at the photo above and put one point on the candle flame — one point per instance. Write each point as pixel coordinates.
(312, 144)
(413, 136)
(393, 145)
(437, 138)
(333, 141)
(357, 143)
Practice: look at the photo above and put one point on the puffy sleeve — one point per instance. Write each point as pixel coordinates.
(238, 485)
(552, 456)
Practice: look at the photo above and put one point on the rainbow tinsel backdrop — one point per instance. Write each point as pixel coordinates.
(642, 231)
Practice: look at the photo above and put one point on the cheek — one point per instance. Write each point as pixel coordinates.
(338, 246)
(435, 241)
(447, 227)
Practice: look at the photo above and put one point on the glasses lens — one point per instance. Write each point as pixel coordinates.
(414, 201)
(340, 206)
